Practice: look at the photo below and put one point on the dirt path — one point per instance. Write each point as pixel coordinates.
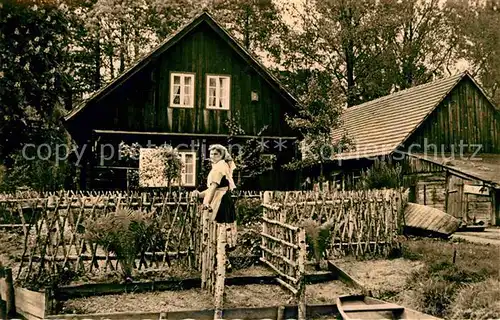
(488, 236)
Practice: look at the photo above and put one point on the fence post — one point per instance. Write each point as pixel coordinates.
(220, 275)
(301, 294)
(3, 305)
(9, 297)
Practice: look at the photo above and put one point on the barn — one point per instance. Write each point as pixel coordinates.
(446, 136)
(186, 93)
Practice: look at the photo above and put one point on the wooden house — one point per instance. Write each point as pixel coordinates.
(445, 134)
(183, 93)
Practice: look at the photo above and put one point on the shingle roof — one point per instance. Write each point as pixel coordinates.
(379, 126)
(204, 16)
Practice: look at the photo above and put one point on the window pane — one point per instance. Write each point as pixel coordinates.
(177, 99)
(177, 79)
(189, 179)
(177, 89)
(222, 104)
(188, 80)
(212, 82)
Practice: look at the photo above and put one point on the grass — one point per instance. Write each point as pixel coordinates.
(459, 280)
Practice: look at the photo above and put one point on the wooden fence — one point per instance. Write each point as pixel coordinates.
(55, 237)
(348, 222)
(212, 257)
(284, 250)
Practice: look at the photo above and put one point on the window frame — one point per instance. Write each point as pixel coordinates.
(183, 154)
(217, 90)
(183, 75)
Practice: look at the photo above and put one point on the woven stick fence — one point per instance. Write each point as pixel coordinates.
(284, 251)
(54, 230)
(354, 222)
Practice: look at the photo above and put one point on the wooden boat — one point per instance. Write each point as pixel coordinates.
(363, 307)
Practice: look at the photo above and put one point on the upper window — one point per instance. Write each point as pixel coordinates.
(182, 90)
(218, 92)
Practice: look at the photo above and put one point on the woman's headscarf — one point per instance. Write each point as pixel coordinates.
(226, 156)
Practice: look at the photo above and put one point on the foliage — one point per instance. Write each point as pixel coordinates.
(383, 174)
(319, 115)
(478, 41)
(445, 288)
(318, 237)
(162, 167)
(41, 165)
(369, 48)
(33, 79)
(248, 211)
(249, 159)
(255, 23)
(477, 301)
(126, 233)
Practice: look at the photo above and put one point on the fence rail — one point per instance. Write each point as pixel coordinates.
(55, 236)
(340, 223)
(284, 250)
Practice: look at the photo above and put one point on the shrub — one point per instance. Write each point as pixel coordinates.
(383, 174)
(126, 233)
(477, 301)
(248, 211)
(437, 295)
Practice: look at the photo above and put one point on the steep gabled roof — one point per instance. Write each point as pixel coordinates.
(380, 126)
(171, 41)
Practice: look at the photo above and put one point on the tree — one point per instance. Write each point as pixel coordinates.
(477, 24)
(418, 38)
(319, 115)
(249, 161)
(339, 37)
(34, 81)
(254, 23)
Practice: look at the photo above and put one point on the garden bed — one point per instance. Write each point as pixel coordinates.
(255, 295)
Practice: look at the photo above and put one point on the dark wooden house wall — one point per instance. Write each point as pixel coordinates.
(443, 189)
(464, 116)
(142, 103)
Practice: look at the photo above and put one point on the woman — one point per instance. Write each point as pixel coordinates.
(217, 198)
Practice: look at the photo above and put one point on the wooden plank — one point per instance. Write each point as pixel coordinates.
(344, 276)
(372, 307)
(30, 302)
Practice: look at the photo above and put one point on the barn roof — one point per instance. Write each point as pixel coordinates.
(379, 126)
(171, 41)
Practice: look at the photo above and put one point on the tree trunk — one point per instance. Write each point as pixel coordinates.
(97, 64)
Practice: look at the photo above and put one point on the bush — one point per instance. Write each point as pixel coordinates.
(383, 174)
(248, 211)
(437, 296)
(477, 301)
(126, 233)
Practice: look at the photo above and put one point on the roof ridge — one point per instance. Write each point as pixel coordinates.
(404, 91)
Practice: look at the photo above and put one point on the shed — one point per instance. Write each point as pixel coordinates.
(436, 131)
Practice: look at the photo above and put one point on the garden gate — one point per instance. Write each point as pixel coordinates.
(284, 251)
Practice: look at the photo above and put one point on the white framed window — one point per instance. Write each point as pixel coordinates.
(188, 173)
(152, 167)
(182, 90)
(218, 92)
